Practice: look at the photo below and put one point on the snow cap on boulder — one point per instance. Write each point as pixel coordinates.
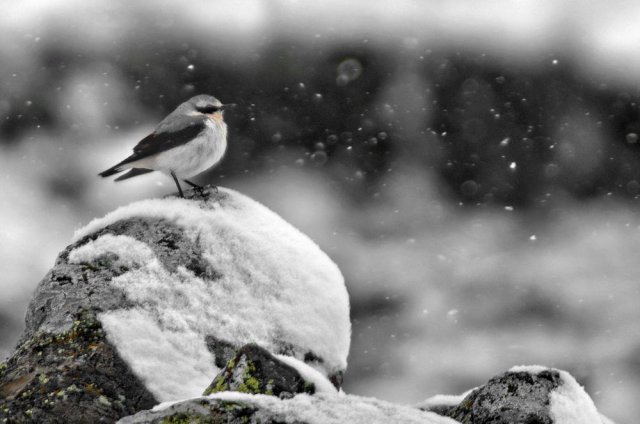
(256, 279)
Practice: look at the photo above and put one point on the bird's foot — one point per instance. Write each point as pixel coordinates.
(194, 185)
(198, 189)
(201, 191)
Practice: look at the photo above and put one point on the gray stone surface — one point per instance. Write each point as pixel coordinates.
(510, 398)
(254, 370)
(69, 288)
(74, 376)
(205, 411)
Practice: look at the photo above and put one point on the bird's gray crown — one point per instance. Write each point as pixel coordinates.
(195, 106)
(203, 102)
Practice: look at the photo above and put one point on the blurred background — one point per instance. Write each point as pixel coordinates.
(474, 169)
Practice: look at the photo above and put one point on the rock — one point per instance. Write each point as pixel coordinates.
(512, 398)
(523, 395)
(74, 376)
(148, 304)
(254, 370)
(75, 285)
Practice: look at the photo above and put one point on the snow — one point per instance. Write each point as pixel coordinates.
(605, 420)
(130, 251)
(443, 400)
(169, 361)
(275, 285)
(531, 369)
(569, 403)
(310, 374)
(334, 409)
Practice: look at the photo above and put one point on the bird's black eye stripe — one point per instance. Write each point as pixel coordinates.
(208, 109)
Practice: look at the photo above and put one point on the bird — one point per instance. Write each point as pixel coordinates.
(190, 140)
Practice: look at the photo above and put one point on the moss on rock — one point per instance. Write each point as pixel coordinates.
(74, 376)
(254, 370)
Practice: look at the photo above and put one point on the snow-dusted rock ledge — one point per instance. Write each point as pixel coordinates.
(234, 407)
(219, 311)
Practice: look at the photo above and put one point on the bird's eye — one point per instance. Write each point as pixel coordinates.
(208, 109)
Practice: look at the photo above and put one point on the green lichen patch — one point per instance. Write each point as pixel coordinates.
(185, 418)
(309, 387)
(219, 385)
(237, 410)
(248, 383)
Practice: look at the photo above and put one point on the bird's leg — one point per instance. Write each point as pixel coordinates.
(173, 174)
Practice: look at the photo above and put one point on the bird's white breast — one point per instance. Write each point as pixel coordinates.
(197, 155)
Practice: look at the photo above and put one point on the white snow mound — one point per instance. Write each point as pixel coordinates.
(442, 400)
(569, 403)
(276, 285)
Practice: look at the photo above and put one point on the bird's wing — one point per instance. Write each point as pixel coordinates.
(184, 130)
(133, 172)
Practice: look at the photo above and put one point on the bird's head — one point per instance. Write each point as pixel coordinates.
(206, 105)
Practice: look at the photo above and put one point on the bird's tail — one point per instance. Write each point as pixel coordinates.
(111, 171)
(133, 172)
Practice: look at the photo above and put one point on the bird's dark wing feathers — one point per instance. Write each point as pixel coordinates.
(184, 131)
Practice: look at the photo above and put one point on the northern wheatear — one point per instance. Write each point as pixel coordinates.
(190, 140)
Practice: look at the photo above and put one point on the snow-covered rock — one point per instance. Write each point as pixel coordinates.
(264, 282)
(568, 402)
(524, 394)
(172, 287)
